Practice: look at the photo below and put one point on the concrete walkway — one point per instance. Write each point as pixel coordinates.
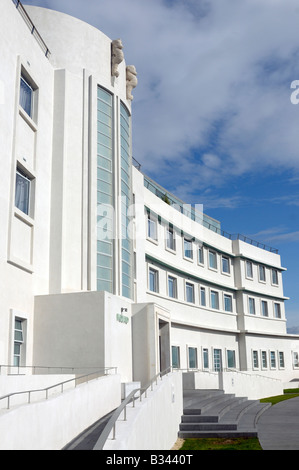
(278, 427)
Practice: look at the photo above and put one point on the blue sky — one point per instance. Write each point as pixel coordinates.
(213, 121)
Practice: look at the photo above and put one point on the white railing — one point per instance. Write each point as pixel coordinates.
(77, 380)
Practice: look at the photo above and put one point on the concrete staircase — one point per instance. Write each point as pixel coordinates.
(212, 413)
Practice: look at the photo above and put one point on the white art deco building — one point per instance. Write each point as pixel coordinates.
(101, 267)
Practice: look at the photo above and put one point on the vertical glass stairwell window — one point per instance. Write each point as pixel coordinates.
(105, 200)
(126, 201)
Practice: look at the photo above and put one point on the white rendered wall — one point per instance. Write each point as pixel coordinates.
(154, 422)
(24, 240)
(53, 423)
(83, 330)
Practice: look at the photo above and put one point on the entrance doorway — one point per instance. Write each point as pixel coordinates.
(164, 345)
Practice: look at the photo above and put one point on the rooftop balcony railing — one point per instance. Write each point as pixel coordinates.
(32, 28)
(193, 214)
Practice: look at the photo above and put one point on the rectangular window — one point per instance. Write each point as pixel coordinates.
(272, 359)
(296, 359)
(225, 265)
(189, 292)
(231, 359)
(205, 353)
(212, 260)
(126, 201)
(281, 359)
(264, 305)
(18, 341)
(275, 277)
(170, 239)
(214, 299)
(151, 228)
(26, 96)
(228, 303)
(262, 273)
(22, 191)
(249, 269)
(192, 356)
(200, 255)
(277, 310)
(105, 199)
(153, 280)
(175, 356)
(255, 359)
(264, 360)
(217, 360)
(172, 287)
(251, 303)
(188, 253)
(202, 296)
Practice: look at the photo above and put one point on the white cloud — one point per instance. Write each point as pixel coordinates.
(214, 78)
(277, 235)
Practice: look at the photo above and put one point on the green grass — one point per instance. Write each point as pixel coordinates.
(288, 393)
(240, 443)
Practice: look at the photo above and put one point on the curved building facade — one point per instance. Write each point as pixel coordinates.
(100, 266)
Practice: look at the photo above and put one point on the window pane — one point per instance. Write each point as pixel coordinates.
(249, 272)
(170, 239)
(172, 287)
(228, 306)
(189, 292)
(281, 359)
(264, 359)
(153, 280)
(212, 260)
(188, 249)
(231, 361)
(277, 311)
(175, 357)
(152, 228)
(272, 359)
(214, 299)
(26, 94)
(274, 276)
(203, 296)
(264, 308)
(200, 255)
(217, 360)
(192, 358)
(205, 358)
(251, 305)
(262, 273)
(255, 359)
(225, 265)
(22, 192)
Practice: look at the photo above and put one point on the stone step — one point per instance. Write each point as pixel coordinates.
(202, 405)
(208, 427)
(222, 408)
(200, 419)
(216, 414)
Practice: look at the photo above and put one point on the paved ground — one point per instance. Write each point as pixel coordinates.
(278, 427)
(88, 439)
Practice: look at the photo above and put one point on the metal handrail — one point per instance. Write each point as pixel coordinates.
(60, 384)
(204, 219)
(48, 368)
(131, 398)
